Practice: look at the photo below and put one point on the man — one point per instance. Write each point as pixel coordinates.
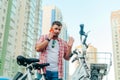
(53, 49)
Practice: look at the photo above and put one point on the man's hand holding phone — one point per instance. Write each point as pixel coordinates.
(51, 33)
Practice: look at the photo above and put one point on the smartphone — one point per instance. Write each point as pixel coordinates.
(51, 30)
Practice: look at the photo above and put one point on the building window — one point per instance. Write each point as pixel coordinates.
(118, 66)
(53, 12)
(4, 11)
(0, 35)
(0, 61)
(3, 18)
(1, 26)
(0, 65)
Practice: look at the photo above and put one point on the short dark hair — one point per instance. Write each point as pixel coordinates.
(57, 23)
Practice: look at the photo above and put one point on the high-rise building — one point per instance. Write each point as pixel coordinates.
(91, 55)
(20, 25)
(115, 24)
(3, 11)
(8, 22)
(64, 36)
(64, 32)
(50, 14)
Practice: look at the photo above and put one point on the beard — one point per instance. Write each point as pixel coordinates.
(56, 36)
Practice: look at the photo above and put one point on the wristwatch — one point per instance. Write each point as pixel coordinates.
(48, 39)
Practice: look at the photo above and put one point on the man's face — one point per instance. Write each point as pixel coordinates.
(56, 30)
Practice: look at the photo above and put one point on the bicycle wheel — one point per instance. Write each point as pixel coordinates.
(94, 78)
(17, 76)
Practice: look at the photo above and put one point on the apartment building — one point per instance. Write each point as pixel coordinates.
(50, 13)
(19, 30)
(115, 25)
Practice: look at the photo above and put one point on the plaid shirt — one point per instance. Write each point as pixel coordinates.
(62, 51)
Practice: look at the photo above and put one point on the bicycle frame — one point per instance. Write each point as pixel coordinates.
(27, 75)
(82, 72)
(42, 73)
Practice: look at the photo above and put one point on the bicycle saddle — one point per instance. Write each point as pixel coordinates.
(24, 61)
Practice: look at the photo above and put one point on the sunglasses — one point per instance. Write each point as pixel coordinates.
(53, 43)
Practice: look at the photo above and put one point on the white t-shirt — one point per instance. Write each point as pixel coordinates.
(52, 56)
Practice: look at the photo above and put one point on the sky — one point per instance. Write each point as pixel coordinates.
(96, 17)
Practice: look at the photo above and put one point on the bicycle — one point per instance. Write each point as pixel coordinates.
(30, 64)
(83, 72)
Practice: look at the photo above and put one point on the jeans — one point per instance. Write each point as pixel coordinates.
(50, 75)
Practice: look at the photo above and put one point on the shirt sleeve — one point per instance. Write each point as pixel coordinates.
(41, 39)
(65, 48)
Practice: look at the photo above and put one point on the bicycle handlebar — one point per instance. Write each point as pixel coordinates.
(82, 30)
(82, 33)
(39, 66)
